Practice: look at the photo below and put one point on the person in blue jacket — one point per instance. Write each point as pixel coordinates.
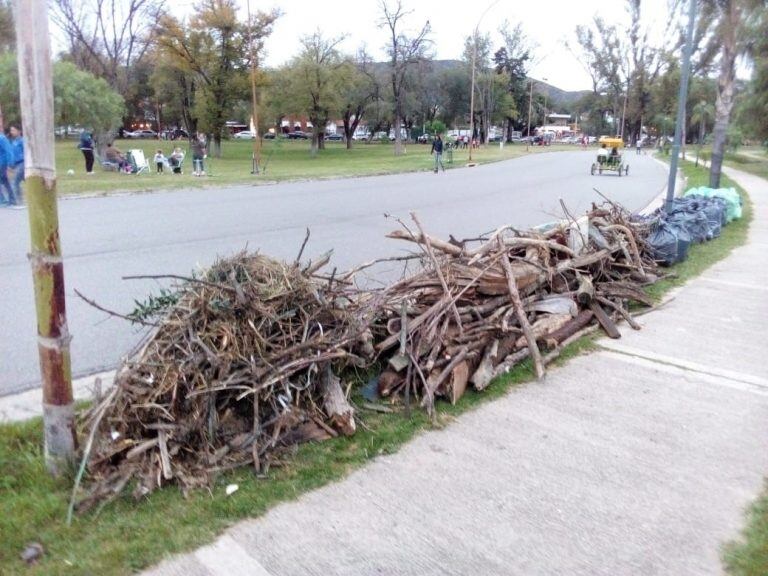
(86, 147)
(6, 159)
(17, 144)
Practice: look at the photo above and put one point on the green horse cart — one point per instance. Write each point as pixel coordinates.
(613, 162)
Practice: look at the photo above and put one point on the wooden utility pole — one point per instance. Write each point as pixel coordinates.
(36, 95)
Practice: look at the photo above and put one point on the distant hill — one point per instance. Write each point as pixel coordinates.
(555, 95)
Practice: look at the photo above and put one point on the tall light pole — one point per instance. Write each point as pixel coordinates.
(530, 106)
(681, 99)
(624, 111)
(255, 159)
(472, 89)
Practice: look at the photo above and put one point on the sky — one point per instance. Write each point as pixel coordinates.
(548, 23)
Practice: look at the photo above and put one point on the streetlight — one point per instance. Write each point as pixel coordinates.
(530, 104)
(472, 93)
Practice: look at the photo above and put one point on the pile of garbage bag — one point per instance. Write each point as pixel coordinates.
(697, 216)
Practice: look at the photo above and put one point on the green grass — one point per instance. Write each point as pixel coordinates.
(749, 556)
(128, 536)
(283, 160)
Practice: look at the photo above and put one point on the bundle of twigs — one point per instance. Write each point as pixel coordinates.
(480, 307)
(242, 365)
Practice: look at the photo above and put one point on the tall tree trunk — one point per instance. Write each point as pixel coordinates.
(36, 96)
(397, 129)
(725, 85)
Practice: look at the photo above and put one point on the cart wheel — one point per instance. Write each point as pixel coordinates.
(620, 169)
(600, 170)
(592, 170)
(626, 170)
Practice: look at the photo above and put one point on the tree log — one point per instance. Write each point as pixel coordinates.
(337, 408)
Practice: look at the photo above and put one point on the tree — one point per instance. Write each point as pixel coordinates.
(729, 29)
(754, 110)
(511, 62)
(404, 51)
(78, 97)
(7, 33)
(314, 83)
(361, 88)
(213, 48)
(702, 114)
(109, 39)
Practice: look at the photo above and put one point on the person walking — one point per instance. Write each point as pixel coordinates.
(17, 145)
(437, 150)
(198, 155)
(86, 147)
(6, 161)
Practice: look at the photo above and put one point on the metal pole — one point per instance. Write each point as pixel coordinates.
(256, 158)
(36, 97)
(530, 101)
(472, 96)
(681, 100)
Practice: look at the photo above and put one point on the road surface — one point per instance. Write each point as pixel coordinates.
(105, 238)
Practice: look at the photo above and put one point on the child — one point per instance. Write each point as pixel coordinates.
(160, 161)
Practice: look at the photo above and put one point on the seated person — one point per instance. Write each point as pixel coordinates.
(614, 152)
(175, 160)
(602, 154)
(114, 156)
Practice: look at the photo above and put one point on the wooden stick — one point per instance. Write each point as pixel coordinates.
(112, 313)
(437, 244)
(438, 270)
(521, 317)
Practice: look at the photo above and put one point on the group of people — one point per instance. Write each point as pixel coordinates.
(603, 155)
(11, 167)
(122, 162)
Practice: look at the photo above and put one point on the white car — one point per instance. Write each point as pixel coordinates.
(244, 135)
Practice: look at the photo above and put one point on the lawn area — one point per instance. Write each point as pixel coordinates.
(127, 536)
(749, 557)
(282, 159)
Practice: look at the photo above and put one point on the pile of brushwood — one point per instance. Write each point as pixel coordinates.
(244, 364)
(246, 361)
(480, 307)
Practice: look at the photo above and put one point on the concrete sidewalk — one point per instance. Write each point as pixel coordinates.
(638, 459)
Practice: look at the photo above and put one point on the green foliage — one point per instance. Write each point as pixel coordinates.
(734, 138)
(434, 127)
(78, 97)
(210, 57)
(155, 306)
(81, 98)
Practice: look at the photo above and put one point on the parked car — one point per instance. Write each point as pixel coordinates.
(141, 134)
(297, 135)
(269, 136)
(244, 135)
(334, 137)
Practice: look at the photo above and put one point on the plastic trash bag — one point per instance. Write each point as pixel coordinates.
(662, 242)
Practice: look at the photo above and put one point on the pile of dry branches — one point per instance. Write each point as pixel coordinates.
(478, 308)
(246, 361)
(241, 366)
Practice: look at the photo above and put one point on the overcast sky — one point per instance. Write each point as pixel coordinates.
(549, 23)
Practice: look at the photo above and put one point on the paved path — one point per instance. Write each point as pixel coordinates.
(104, 239)
(635, 460)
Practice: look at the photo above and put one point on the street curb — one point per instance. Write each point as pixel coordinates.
(29, 404)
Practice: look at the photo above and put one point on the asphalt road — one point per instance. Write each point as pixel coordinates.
(105, 238)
